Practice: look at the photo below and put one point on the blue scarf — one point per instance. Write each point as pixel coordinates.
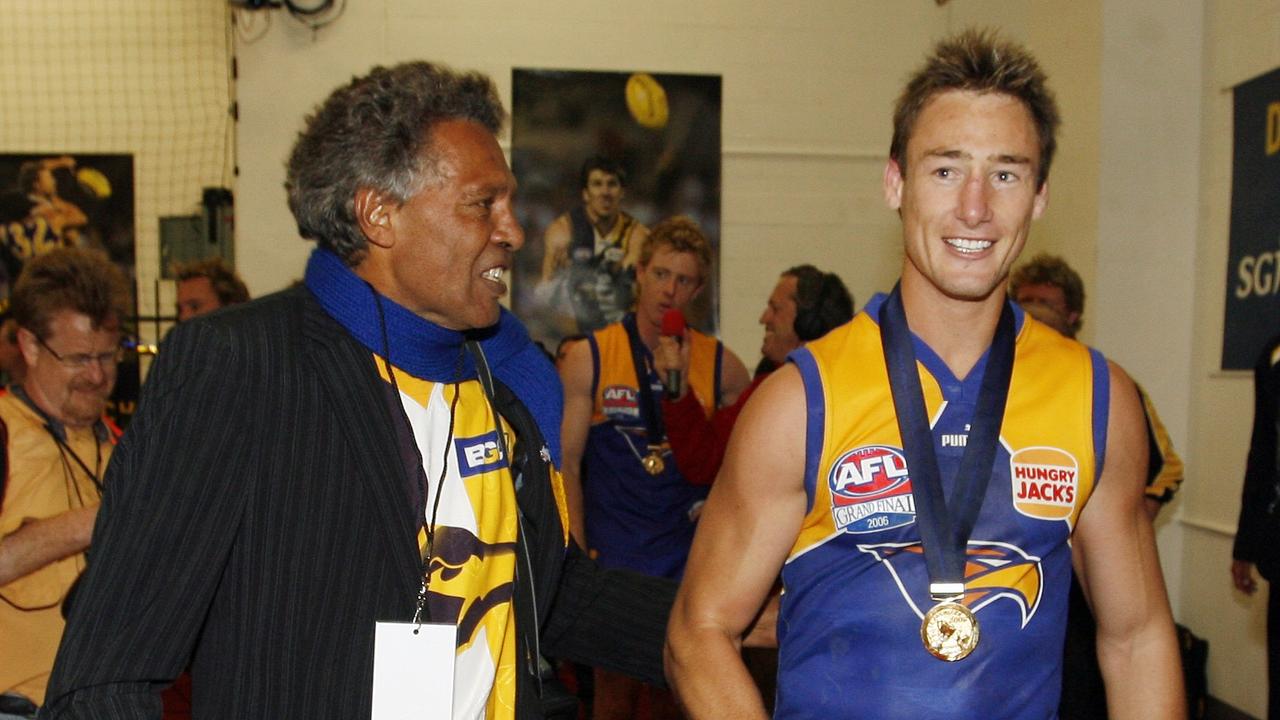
(430, 352)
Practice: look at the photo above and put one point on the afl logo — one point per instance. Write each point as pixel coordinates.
(871, 490)
(620, 401)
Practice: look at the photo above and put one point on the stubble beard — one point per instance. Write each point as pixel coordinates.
(84, 406)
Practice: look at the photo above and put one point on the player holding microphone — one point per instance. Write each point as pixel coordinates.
(629, 504)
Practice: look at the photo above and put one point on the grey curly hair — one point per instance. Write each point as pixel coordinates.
(370, 133)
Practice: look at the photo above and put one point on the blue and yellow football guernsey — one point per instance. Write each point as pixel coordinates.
(474, 553)
(636, 520)
(856, 584)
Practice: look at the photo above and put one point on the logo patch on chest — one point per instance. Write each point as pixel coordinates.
(871, 490)
(620, 401)
(479, 454)
(1046, 482)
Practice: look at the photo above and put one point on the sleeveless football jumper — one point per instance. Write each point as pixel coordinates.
(855, 581)
(636, 520)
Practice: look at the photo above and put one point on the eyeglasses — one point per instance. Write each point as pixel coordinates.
(81, 361)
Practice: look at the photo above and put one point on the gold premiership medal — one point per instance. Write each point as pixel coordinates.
(653, 463)
(949, 631)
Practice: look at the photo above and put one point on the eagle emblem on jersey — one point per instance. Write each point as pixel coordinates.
(462, 586)
(993, 570)
(871, 490)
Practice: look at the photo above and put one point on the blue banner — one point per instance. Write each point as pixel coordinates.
(1253, 263)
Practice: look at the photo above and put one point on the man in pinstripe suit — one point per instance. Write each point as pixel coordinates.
(378, 444)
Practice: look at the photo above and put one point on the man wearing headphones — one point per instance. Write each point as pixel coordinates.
(805, 305)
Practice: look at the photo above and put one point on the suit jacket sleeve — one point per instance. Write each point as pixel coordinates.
(1260, 478)
(163, 533)
(613, 619)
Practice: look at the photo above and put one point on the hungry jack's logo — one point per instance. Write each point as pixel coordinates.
(992, 570)
(1045, 481)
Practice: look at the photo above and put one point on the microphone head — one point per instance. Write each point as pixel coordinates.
(673, 322)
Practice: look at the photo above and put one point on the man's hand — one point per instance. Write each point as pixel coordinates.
(672, 354)
(1242, 576)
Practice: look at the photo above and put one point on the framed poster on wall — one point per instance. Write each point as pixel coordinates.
(658, 136)
(53, 199)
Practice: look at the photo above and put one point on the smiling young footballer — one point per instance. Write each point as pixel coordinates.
(921, 474)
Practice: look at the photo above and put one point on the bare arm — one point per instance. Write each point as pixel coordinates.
(555, 243)
(1115, 555)
(61, 213)
(68, 213)
(37, 543)
(747, 527)
(576, 372)
(734, 378)
(634, 244)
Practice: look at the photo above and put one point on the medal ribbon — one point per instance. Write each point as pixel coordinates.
(945, 527)
(649, 409)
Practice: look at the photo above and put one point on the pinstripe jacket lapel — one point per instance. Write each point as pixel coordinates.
(347, 372)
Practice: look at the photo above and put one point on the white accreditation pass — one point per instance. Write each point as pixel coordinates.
(413, 670)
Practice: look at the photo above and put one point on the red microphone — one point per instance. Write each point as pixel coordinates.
(673, 325)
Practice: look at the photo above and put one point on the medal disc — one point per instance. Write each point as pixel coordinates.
(949, 631)
(653, 463)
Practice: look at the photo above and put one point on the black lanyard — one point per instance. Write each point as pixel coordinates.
(65, 449)
(945, 527)
(58, 432)
(649, 410)
(421, 609)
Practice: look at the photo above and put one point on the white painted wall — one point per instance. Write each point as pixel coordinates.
(1148, 188)
(145, 77)
(1241, 39)
(1140, 190)
(806, 125)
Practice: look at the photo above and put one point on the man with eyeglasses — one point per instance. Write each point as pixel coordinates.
(68, 305)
